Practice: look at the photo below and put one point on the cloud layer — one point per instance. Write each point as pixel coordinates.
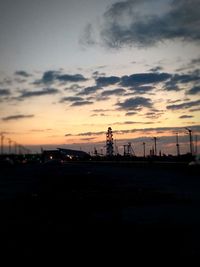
(145, 23)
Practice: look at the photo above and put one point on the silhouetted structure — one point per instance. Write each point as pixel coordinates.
(109, 142)
(191, 141)
(63, 154)
(155, 145)
(128, 150)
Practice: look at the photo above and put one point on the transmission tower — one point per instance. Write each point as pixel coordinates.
(109, 142)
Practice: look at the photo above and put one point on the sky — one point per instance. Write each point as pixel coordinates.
(70, 69)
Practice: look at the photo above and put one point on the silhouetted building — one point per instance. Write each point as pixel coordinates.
(64, 154)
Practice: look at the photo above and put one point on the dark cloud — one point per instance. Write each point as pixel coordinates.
(87, 139)
(131, 113)
(106, 81)
(49, 76)
(101, 114)
(194, 91)
(71, 78)
(126, 23)
(91, 133)
(141, 89)
(71, 99)
(4, 92)
(17, 117)
(68, 134)
(195, 128)
(52, 76)
(154, 114)
(171, 86)
(131, 122)
(185, 117)
(135, 103)
(184, 105)
(173, 101)
(76, 101)
(192, 64)
(101, 110)
(97, 74)
(144, 78)
(186, 78)
(81, 103)
(177, 80)
(73, 87)
(22, 73)
(195, 61)
(89, 90)
(117, 92)
(6, 81)
(45, 91)
(156, 69)
(194, 109)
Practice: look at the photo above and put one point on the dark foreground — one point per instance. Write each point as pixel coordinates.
(99, 210)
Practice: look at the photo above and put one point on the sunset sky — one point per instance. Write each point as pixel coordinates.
(70, 69)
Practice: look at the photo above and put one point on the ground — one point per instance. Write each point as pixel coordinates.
(135, 209)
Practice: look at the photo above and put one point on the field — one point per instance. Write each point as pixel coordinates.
(135, 209)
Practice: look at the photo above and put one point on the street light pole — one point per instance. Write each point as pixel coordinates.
(177, 145)
(144, 149)
(2, 138)
(191, 142)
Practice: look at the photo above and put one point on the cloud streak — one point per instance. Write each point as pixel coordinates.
(17, 117)
(195, 128)
(22, 73)
(184, 105)
(117, 92)
(44, 92)
(81, 103)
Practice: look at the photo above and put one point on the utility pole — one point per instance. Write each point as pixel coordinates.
(9, 142)
(191, 142)
(196, 145)
(116, 148)
(144, 149)
(155, 145)
(2, 138)
(15, 148)
(177, 146)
